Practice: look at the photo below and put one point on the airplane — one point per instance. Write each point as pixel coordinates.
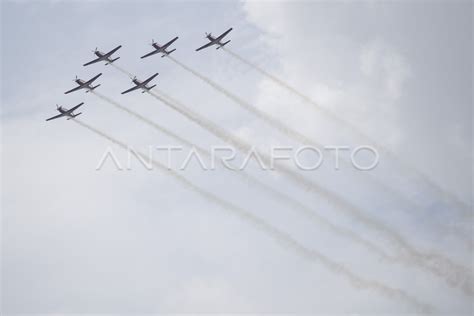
(161, 49)
(104, 57)
(85, 84)
(215, 40)
(65, 112)
(141, 84)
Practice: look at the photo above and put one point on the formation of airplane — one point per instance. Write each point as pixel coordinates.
(143, 85)
(63, 112)
(107, 57)
(215, 40)
(161, 49)
(85, 84)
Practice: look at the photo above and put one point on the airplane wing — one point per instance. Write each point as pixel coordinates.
(170, 42)
(131, 89)
(93, 79)
(207, 45)
(149, 54)
(223, 34)
(55, 117)
(74, 89)
(74, 108)
(149, 79)
(93, 61)
(113, 51)
(84, 84)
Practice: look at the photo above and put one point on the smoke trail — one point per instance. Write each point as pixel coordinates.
(129, 74)
(282, 238)
(403, 163)
(320, 220)
(292, 133)
(452, 273)
(312, 215)
(147, 121)
(260, 114)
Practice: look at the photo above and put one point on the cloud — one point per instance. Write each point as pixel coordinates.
(76, 240)
(379, 61)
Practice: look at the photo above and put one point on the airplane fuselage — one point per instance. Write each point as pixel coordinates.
(65, 112)
(81, 83)
(102, 56)
(214, 40)
(142, 86)
(161, 49)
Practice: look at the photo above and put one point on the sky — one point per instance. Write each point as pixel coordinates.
(80, 240)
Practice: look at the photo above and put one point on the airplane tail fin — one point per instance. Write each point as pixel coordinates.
(112, 60)
(92, 88)
(167, 53)
(148, 89)
(222, 45)
(73, 116)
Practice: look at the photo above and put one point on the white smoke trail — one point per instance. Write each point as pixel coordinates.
(318, 219)
(466, 209)
(280, 237)
(260, 114)
(453, 273)
(311, 214)
(277, 124)
(129, 74)
(146, 120)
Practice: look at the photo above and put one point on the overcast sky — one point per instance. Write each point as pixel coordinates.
(78, 240)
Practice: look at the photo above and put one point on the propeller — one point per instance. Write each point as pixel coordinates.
(207, 34)
(75, 78)
(152, 42)
(57, 107)
(95, 50)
